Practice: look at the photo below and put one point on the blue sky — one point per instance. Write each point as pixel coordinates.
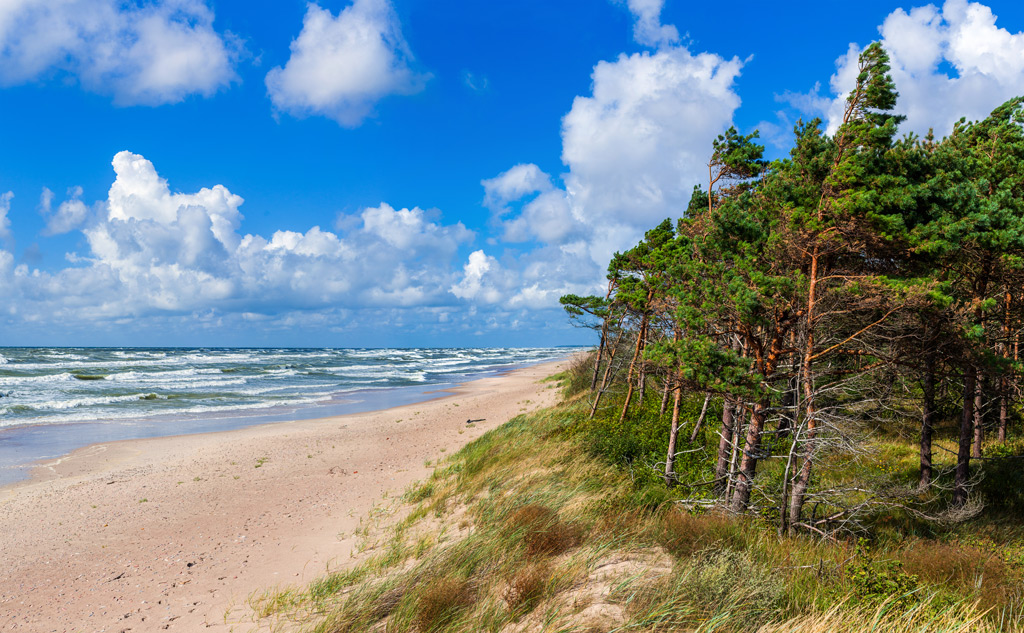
(404, 172)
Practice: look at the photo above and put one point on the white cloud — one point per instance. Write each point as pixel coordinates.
(409, 230)
(639, 144)
(340, 67)
(153, 252)
(512, 185)
(5, 222)
(547, 216)
(69, 215)
(648, 29)
(474, 284)
(140, 194)
(152, 54)
(946, 63)
(633, 149)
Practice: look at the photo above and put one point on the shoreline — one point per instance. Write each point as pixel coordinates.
(24, 447)
(176, 532)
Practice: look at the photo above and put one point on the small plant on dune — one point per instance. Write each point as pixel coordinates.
(876, 581)
(526, 587)
(543, 533)
(576, 378)
(440, 603)
(419, 493)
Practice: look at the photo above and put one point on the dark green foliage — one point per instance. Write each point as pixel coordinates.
(879, 580)
(1002, 485)
(638, 443)
(859, 288)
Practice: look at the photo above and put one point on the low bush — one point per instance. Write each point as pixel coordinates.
(440, 603)
(526, 587)
(543, 533)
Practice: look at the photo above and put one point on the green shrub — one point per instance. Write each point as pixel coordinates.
(639, 443)
(876, 581)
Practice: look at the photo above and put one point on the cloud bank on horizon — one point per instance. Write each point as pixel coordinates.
(631, 149)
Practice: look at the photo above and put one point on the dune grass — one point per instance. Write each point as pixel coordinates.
(528, 529)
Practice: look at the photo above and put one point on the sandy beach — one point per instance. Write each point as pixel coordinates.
(177, 533)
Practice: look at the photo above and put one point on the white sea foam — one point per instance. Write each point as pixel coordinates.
(75, 403)
(40, 387)
(8, 381)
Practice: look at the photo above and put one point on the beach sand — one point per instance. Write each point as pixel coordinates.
(177, 533)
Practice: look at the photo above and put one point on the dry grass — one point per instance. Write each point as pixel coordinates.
(684, 534)
(543, 533)
(923, 618)
(440, 603)
(526, 587)
(974, 569)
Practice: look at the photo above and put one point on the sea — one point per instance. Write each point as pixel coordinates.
(54, 400)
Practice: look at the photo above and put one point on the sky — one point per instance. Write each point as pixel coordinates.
(395, 173)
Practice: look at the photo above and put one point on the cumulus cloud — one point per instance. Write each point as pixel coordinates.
(512, 185)
(544, 212)
(153, 252)
(69, 215)
(634, 148)
(409, 230)
(5, 222)
(947, 63)
(340, 67)
(648, 29)
(152, 54)
(476, 283)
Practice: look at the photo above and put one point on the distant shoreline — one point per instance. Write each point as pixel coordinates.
(23, 447)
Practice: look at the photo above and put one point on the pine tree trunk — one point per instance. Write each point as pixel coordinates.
(604, 341)
(788, 412)
(632, 366)
(979, 422)
(700, 420)
(810, 441)
(738, 422)
(748, 461)
(642, 383)
(787, 418)
(600, 353)
(670, 459)
(1004, 383)
(725, 442)
(927, 420)
(664, 396)
(963, 457)
(1004, 407)
(607, 376)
